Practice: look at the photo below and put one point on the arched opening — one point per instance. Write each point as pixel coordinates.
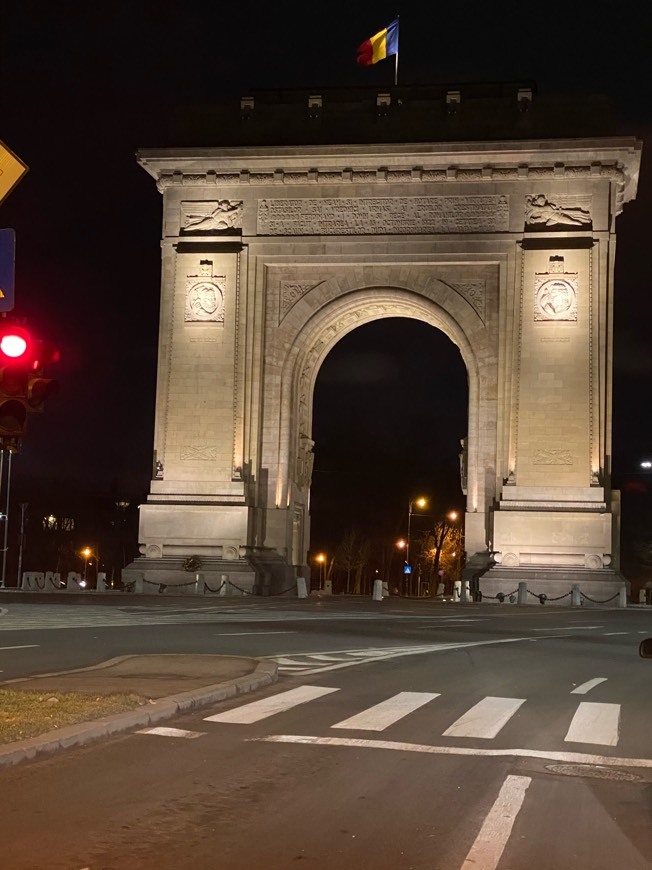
(390, 410)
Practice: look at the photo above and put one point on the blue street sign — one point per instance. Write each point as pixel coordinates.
(407, 569)
(7, 258)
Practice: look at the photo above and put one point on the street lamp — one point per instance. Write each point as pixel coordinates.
(321, 558)
(86, 553)
(420, 503)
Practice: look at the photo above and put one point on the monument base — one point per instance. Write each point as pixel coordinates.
(255, 574)
(600, 588)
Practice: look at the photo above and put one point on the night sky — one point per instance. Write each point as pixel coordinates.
(83, 87)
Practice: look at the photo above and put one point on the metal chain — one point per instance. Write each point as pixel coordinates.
(595, 601)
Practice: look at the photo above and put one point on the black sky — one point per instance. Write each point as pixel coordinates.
(83, 87)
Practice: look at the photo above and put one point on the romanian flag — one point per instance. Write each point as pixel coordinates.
(380, 46)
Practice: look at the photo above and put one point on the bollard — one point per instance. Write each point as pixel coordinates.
(385, 589)
(328, 587)
(440, 589)
(378, 590)
(224, 580)
(622, 595)
(457, 590)
(302, 591)
(200, 586)
(641, 596)
(466, 592)
(101, 581)
(522, 593)
(576, 598)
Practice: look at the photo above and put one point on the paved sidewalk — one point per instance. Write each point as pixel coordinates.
(173, 684)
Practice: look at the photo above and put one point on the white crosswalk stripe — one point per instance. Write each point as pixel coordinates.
(485, 719)
(257, 710)
(591, 723)
(595, 723)
(382, 715)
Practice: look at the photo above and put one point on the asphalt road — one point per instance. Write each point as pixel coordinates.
(400, 735)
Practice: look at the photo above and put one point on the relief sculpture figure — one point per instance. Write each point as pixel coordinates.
(539, 210)
(226, 214)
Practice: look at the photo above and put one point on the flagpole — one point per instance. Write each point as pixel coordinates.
(396, 63)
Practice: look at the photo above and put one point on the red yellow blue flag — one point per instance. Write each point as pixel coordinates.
(380, 46)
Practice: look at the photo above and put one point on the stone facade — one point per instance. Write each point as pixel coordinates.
(272, 254)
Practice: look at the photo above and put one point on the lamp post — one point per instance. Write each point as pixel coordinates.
(420, 502)
(86, 553)
(321, 559)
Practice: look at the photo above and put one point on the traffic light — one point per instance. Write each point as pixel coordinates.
(23, 387)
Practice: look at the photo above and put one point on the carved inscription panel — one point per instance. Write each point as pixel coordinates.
(381, 215)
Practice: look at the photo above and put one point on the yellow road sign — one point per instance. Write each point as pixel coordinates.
(12, 170)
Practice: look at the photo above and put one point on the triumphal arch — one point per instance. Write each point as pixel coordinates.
(272, 252)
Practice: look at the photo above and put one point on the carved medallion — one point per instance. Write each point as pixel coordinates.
(555, 297)
(205, 302)
(202, 453)
(552, 456)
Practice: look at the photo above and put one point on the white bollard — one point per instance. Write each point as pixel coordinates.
(457, 590)
(440, 589)
(302, 591)
(328, 587)
(576, 598)
(224, 581)
(622, 595)
(385, 589)
(641, 596)
(522, 593)
(101, 581)
(378, 590)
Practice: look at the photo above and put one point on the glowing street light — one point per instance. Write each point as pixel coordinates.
(86, 553)
(321, 559)
(420, 503)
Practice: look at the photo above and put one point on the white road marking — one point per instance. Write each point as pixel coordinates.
(490, 843)
(384, 653)
(24, 646)
(485, 719)
(257, 710)
(595, 723)
(242, 633)
(160, 731)
(570, 628)
(382, 715)
(612, 633)
(590, 684)
(360, 743)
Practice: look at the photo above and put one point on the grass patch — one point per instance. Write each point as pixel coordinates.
(28, 714)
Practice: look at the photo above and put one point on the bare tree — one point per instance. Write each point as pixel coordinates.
(351, 555)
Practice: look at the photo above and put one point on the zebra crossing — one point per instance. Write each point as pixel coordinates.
(591, 723)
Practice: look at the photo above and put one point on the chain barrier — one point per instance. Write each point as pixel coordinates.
(289, 589)
(501, 596)
(244, 591)
(595, 601)
(215, 591)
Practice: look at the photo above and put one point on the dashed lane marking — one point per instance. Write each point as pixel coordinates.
(590, 684)
(490, 843)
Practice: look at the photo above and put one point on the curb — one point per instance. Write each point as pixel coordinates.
(265, 674)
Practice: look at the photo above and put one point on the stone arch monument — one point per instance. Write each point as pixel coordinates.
(270, 254)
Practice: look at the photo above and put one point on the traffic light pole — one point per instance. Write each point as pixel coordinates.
(6, 529)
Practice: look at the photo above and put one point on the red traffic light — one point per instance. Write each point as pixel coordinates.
(14, 342)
